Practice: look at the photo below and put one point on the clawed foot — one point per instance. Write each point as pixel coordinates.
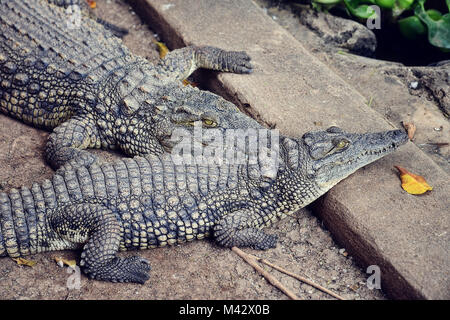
(267, 242)
(240, 62)
(132, 269)
(229, 233)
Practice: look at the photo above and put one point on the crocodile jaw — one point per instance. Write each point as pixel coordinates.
(335, 164)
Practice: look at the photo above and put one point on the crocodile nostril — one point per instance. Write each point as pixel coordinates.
(334, 129)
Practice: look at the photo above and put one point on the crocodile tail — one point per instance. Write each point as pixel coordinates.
(3, 208)
(22, 222)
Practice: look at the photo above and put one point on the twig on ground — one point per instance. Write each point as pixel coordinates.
(369, 103)
(298, 277)
(437, 144)
(251, 261)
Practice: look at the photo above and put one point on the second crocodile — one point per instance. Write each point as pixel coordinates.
(75, 77)
(155, 201)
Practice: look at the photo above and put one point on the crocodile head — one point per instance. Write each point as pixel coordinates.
(175, 108)
(332, 155)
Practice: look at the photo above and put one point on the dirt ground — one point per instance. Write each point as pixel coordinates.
(196, 270)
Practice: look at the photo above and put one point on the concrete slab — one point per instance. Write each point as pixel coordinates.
(406, 236)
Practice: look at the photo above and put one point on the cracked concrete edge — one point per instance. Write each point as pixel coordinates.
(393, 236)
(360, 245)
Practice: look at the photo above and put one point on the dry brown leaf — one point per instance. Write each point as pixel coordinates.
(92, 4)
(186, 82)
(412, 183)
(61, 262)
(354, 287)
(162, 48)
(24, 262)
(410, 129)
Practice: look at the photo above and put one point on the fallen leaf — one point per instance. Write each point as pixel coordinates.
(61, 262)
(354, 287)
(410, 129)
(162, 48)
(186, 82)
(24, 262)
(412, 183)
(92, 4)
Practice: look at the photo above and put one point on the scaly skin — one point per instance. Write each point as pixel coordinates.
(150, 202)
(86, 86)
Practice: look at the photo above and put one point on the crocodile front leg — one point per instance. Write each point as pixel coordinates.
(98, 227)
(236, 230)
(181, 63)
(66, 142)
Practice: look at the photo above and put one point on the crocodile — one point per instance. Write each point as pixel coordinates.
(92, 92)
(157, 200)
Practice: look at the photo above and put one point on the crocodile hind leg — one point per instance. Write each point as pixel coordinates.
(236, 230)
(100, 230)
(180, 63)
(66, 142)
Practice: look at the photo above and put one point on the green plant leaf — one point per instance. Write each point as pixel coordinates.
(405, 4)
(324, 5)
(434, 14)
(438, 31)
(387, 4)
(359, 10)
(411, 27)
(327, 1)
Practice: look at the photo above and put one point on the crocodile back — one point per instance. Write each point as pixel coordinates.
(51, 61)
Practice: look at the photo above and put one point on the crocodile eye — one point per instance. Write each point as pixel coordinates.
(209, 122)
(341, 144)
